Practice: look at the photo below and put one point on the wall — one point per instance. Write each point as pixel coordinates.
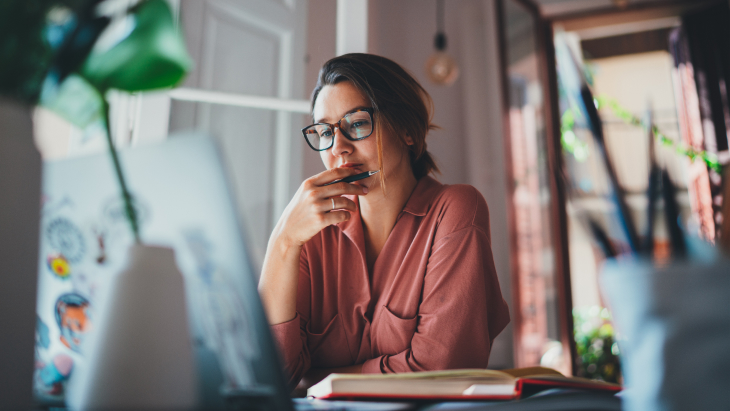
(321, 26)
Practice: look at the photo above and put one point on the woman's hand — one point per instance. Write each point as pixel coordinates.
(307, 214)
(316, 206)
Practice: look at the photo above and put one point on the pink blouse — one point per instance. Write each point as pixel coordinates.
(432, 301)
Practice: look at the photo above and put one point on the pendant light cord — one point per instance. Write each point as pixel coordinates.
(440, 40)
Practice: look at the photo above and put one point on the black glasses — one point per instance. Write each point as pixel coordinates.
(354, 126)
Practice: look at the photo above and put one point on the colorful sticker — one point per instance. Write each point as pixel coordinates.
(59, 265)
(115, 211)
(58, 370)
(74, 320)
(41, 333)
(50, 377)
(100, 241)
(66, 238)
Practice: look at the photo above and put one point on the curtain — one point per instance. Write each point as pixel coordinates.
(701, 51)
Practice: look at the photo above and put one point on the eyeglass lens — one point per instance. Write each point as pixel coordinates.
(354, 126)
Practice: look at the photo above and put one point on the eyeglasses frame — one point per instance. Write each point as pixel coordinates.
(369, 110)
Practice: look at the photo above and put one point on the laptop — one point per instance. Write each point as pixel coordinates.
(183, 201)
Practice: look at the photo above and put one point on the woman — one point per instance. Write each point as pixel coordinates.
(391, 273)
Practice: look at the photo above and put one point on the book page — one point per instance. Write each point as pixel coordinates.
(531, 371)
(477, 374)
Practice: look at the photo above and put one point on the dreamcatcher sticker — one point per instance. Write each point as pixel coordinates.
(65, 238)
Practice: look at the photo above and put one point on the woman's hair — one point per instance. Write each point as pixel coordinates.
(400, 104)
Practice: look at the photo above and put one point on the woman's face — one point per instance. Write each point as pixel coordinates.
(333, 102)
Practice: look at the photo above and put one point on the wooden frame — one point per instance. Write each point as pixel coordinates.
(506, 133)
(631, 13)
(558, 212)
(558, 198)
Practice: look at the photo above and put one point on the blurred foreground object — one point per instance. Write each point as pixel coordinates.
(144, 333)
(43, 44)
(674, 325)
(141, 51)
(138, 331)
(38, 37)
(25, 56)
(20, 185)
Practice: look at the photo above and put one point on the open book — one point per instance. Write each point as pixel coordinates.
(467, 384)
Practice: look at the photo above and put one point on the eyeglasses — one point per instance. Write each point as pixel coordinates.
(354, 126)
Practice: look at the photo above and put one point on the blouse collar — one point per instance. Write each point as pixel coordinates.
(422, 197)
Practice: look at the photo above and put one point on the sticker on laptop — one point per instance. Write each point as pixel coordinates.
(73, 316)
(59, 265)
(50, 376)
(65, 238)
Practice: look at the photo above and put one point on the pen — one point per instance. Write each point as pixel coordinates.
(356, 177)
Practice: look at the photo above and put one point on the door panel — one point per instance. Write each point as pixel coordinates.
(251, 47)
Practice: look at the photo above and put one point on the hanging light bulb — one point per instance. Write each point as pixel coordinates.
(440, 67)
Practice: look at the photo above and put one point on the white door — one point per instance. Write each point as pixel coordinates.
(254, 48)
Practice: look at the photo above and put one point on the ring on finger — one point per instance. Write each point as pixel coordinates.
(333, 204)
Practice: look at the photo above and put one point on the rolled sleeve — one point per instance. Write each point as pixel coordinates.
(291, 336)
(289, 341)
(373, 366)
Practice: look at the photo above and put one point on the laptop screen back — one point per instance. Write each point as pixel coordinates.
(182, 198)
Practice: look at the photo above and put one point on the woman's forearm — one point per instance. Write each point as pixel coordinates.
(314, 206)
(278, 282)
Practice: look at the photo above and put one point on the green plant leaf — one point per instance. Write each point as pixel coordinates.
(75, 100)
(152, 56)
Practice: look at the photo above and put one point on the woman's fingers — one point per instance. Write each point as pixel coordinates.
(338, 203)
(339, 189)
(335, 217)
(315, 207)
(332, 174)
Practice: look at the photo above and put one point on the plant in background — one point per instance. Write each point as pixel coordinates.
(24, 55)
(37, 35)
(710, 159)
(573, 115)
(67, 54)
(579, 149)
(595, 342)
(570, 142)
